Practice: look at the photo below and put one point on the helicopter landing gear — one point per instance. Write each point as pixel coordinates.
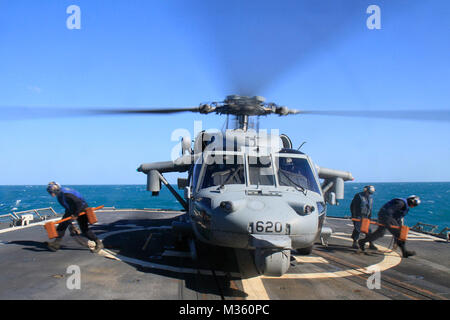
(272, 262)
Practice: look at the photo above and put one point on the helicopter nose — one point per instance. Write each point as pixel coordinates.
(230, 206)
(244, 211)
(261, 205)
(269, 215)
(227, 206)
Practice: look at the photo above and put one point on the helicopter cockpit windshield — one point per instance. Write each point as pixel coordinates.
(224, 169)
(220, 169)
(297, 173)
(260, 171)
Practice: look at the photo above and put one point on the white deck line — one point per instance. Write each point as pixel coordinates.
(28, 226)
(109, 254)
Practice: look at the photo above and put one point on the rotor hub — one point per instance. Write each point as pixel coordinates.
(244, 106)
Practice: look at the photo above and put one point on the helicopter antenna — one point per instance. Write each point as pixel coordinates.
(301, 145)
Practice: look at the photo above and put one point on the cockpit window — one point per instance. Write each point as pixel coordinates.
(224, 169)
(296, 172)
(196, 175)
(261, 171)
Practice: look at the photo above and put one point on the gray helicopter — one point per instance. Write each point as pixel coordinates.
(250, 189)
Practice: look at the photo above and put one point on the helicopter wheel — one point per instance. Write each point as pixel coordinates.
(305, 251)
(272, 262)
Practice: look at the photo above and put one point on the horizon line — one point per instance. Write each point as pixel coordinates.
(143, 184)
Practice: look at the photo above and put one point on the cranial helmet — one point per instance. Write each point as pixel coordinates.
(413, 201)
(370, 189)
(53, 187)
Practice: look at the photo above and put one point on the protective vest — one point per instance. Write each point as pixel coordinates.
(364, 208)
(405, 212)
(62, 199)
(397, 214)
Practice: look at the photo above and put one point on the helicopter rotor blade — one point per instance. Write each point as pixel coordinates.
(418, 115)
(144, 111)
(22, 112)
(256, 42)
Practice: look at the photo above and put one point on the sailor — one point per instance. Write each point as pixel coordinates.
(361, 207)
(391, 214)
(74, 204)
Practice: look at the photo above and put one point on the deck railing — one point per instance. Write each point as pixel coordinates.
(17, 218)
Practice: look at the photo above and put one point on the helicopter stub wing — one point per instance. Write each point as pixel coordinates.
(333, 184)
(181, 164)
(154, 172)
(326, 173)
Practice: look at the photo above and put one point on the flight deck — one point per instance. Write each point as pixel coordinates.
(144, 259)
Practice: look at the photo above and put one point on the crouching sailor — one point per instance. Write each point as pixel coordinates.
(391, 214)
(74, 204)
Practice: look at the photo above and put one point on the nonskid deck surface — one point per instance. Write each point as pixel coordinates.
(143, 259)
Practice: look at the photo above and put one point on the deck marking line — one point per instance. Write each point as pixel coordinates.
(390, 259)
(310, 259)
(112, 255)
(253, 286)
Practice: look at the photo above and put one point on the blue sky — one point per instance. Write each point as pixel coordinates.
(167, 53)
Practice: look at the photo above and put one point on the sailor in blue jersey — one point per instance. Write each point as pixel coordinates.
(392, 214)
(361, 207)
(74, 203)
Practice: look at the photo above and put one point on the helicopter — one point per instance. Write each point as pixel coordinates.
(248, 189)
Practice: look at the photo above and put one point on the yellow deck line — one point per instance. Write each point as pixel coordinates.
(253, 286)
(308, 259)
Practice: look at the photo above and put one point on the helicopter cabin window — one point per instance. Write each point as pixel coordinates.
(196, 174)
(297, 173)
(224, 169)
(261, 171)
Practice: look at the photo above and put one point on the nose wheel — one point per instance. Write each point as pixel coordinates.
(272, 262)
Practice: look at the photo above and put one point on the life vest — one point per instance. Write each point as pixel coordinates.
(62, 199)
(404, 212)
(365, 202)
(398, 214)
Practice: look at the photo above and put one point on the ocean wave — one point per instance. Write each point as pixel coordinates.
(433, 197)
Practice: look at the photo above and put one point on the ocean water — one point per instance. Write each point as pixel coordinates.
(434, 208)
